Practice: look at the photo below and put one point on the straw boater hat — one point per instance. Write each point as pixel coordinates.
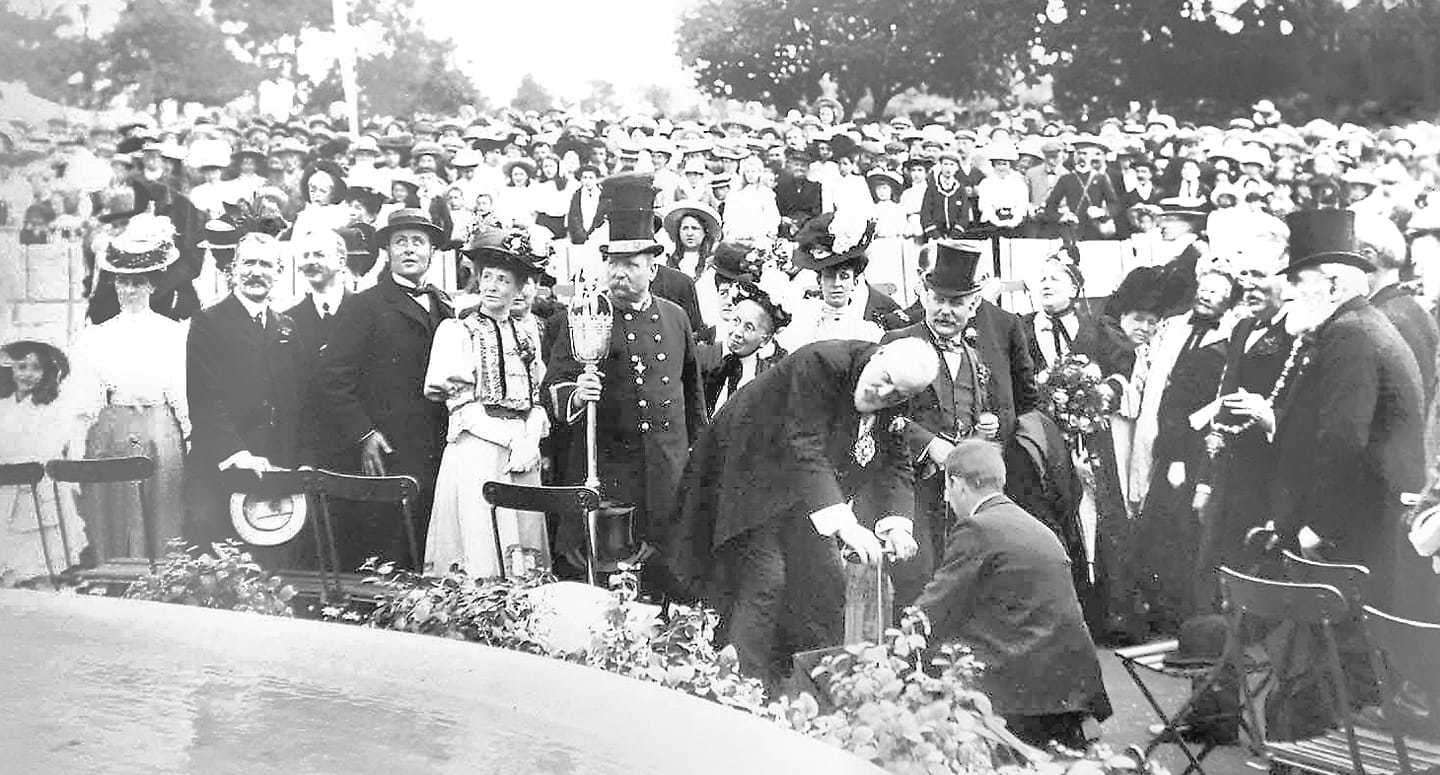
(262, 521)
(146, 245)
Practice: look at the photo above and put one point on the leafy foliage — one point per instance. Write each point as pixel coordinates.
(531, 96)
(457, 606)
(228, 579)
(778, 50)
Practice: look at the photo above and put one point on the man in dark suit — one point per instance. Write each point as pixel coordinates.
(761, 499)
(1383, 244)
(796, 196)
(244, 385)
(587, 211)
(1348, 429)
(369, 386)
(650, 403)
(1084, 198)
(320, 258)
(675, 286)
(1004, 589)
(986, 382)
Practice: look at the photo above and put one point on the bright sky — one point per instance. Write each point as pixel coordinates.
(564, 43)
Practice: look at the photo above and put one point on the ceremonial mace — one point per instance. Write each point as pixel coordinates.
(590, 322)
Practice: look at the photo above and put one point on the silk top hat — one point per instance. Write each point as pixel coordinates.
(1323, 237)
(954, 272)
(412, 219)
(631, 199)
(827, 241)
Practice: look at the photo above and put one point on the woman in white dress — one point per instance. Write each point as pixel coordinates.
(487, 370)
(750, 211)
(36, 428)
(128, 394)
(519, 200)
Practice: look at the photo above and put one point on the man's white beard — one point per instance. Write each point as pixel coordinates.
(1302, 318)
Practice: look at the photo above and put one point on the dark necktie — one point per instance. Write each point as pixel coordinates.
(418, 290)
(1199, 327)
(1060, 333)
(731, 369)
(324, 310)
(260, 320)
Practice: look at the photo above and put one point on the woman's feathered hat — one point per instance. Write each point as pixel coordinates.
(146, 245)
(830, 240)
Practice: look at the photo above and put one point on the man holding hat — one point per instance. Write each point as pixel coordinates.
(1347, 429)
(370, 384)
(986, 382)
(651, 404)
(244, 385)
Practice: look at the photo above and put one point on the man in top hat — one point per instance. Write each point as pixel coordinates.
(986, 382)
(369, 384)
(1347, 429)
(763, 500)
(244, 385)
(650, 401)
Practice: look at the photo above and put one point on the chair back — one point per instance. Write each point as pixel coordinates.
(566, 501)
(1409, 648)
(21, 474)
(273, 484)
(101, 470)
(1349, 579)
(399, 490)
(1283, 600)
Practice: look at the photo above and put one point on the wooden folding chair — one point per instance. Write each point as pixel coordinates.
(135, 471)
(402, 491)
(1349, 579)
(29, 475)
(1318, 607)
(1405, 651)
(567, 503)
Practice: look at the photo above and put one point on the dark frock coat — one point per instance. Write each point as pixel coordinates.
(244, 387)
(780, 449)
(1416, 326)
(674, 285)
(651, 408)
(371, 375)
(1003, 588)
(1348, 444)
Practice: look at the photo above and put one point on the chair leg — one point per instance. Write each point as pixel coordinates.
(407, 512)
(64, 531)
(1170, 730)
(322, 557)
(325, 516)
(44, 545)
(499, 545)
(1342, 696)
(147, 525)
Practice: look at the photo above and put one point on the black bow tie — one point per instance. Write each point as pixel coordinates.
(417, 291)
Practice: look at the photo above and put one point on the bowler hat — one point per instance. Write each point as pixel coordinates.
(954, 268)
(411, 219)
(1323, 237)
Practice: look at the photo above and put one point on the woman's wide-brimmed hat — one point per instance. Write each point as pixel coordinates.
(146, 245)
(827, 241)
(512, 249)
(709, 219)
(15, 351)
(737, 262)
(526, 164)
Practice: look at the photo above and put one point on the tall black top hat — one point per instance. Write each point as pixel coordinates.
(1323, 237)
(954, 272)
(630, 206)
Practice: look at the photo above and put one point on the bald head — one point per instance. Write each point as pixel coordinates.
(896, 372)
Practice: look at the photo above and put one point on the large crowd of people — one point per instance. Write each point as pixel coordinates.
(805, 350)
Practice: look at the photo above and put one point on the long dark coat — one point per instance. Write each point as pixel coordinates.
(244, 389)
(651, 408)
(1348, 443)
(1004, 589)
(372, 376)
(783, 448)
(318, 448)
(1416, 326)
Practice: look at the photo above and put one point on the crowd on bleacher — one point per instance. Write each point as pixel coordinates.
(1268, 356)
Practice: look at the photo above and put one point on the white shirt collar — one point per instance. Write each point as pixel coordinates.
(331, 297)
(252, 308)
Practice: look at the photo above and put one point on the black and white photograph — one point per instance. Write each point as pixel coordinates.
(1030, 387)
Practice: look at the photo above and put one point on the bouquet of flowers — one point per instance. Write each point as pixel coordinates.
(1074, 391)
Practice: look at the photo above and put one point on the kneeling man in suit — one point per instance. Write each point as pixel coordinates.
(1004, 589)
